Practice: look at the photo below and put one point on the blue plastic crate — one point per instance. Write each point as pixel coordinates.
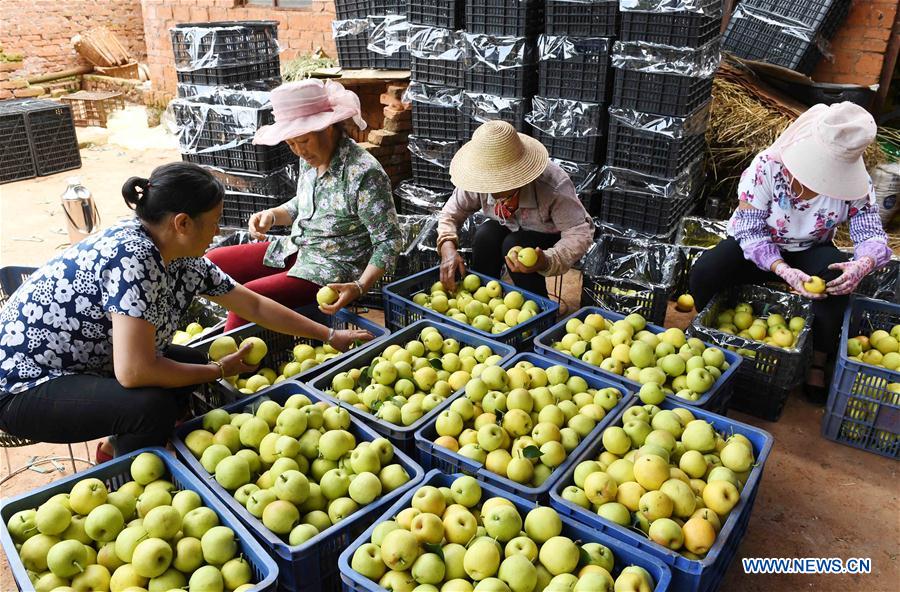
(116, 473)
(280, 346)
(432, 456)
(401, 436)
(687, 575)
(715, 399)
(861, 411)
(400, 310)
(311, 566)
(624, 553)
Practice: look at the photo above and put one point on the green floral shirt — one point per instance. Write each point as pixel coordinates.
(343, 220)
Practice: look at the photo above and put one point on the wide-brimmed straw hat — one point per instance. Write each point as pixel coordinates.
(497, 159)
(824, 149)
(308, 106)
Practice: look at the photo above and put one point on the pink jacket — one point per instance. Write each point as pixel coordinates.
(548, 205)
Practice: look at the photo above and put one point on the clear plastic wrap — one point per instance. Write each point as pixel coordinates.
(585, 176)
(664, 125)
(387, 34)
(281, 182)
(465, 234)
(208, 46)
(683, 186)
(711, 7)
(433, 43)
(433, 94)
(349, 28)
(241, 237)
(654, 58)
(765, 301)
(420, 197)
(218, 120)
(499, 52)
(565, 118)
(788, 26)
(564, 47)
(645, 262)
(439, 152)
(701, 232)
(414, 228)
(485, 107)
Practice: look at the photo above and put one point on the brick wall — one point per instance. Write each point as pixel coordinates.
(299, 30)
(860, 44)
(41, 30)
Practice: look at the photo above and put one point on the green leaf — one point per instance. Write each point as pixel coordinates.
(531, 452)
(499, 415)
(436, 363)
(436, 549)
(370, 370)
(376, 405)
(364, 379)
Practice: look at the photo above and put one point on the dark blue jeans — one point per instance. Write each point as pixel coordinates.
(493, 241)
(82, 407)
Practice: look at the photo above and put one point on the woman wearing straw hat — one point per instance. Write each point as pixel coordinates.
(530, 202)
(344, 230)
(791, 200)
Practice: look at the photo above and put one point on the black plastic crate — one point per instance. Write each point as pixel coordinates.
(514, 116)
(446, 14)
(431, 175)
(207, 127)
(236, 74)
(352, 9)
(584, 176)
(677, 29)
(578, 149)
(353, 52)
(16, 159)
(649, 152)
(581, 77)
(238, 207)
(440, 72)
(436, 122)
(649, 214)
(245, 157)
(397, 61)
(280, 184)
(664, 94)
(388, 7)
(519, 18)
(753, 39)
(231, 42)
(510, 82)
(823, 16)
(53, 139)
(586, 19)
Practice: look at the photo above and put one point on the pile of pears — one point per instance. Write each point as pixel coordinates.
(668, 474)
(665, 364)
(772, 330)
(296, 467)
(145, 535)
(189, 333)
(305, 356)
(879, 348)
(404, 382)
(459, 539)
(523, 423)
(485, 308)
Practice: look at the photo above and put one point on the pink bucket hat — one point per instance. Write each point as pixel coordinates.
(308, 106)
(823, 149)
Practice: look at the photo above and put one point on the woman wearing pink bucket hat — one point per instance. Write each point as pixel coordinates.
(344, 230)
(791, 200)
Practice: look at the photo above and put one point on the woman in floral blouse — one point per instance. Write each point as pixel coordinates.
(85, 341)
(344, 230)
(791, 201)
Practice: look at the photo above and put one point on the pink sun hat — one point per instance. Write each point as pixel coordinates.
(308, 106)
(824, 147)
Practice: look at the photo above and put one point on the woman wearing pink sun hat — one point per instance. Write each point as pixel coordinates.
(344, 230)
(792, 198)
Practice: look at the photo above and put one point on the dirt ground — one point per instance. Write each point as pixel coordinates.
(817, 498)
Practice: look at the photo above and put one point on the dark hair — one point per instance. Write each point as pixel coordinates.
(174, 188)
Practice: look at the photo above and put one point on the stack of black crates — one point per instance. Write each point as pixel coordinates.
(789, 33)
(225, 72)
(664, 63)
(371, 34)
(574, 79)
(37, 138)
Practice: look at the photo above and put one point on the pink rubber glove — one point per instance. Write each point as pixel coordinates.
(852, 272)
(795, 279)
